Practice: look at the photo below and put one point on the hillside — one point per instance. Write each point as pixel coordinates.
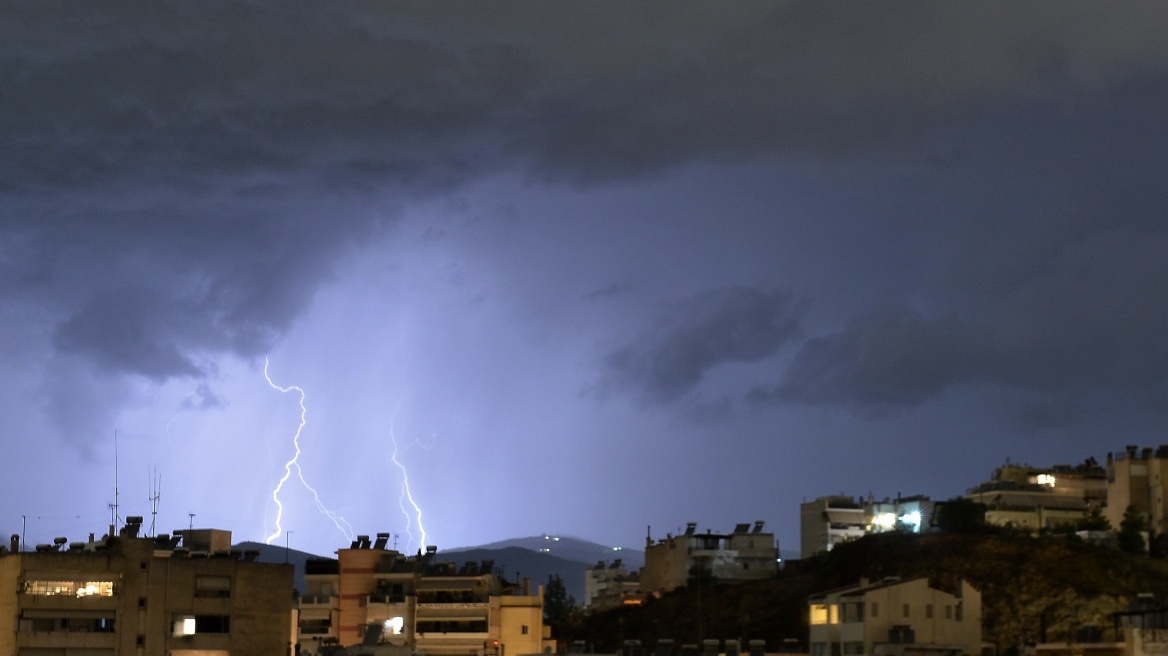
(1028, 586)
(523, 557)
(569, 548)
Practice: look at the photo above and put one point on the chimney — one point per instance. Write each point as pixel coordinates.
(526, 586)
(14, 543)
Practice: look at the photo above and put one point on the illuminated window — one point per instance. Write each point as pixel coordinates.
(394, 625)
(818, 614)
(70, 588)
(1045, 479)
(185, 625)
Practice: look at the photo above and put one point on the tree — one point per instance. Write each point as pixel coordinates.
(1131, 531)
(559, 607)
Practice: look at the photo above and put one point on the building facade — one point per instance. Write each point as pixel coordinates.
(1035, 498)
(746, 554)
(828, 521)
(895, 617)
(419, 603)
(609, 585)
(1138, 477)
(130, 595)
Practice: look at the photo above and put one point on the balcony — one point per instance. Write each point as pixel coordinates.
(326, 601)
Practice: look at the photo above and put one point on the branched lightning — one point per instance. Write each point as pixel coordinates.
(342, 525)
(406, 494)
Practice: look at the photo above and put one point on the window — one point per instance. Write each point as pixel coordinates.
(818, 614)
(185, 625)
(948, 612)
(957, 612)
(906, 610)
(213, 587)
(928, 611)
(819, 649)
(523, 630)
(70, 588)
(875, 609)
(852, 648)
(66, 621)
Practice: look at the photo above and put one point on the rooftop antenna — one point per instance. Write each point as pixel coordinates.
(114, 506)
(155, 494)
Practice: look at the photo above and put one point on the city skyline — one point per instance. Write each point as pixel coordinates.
(565, 269)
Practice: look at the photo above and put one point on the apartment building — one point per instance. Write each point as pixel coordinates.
(828, 521)
(1034, 498)
(609, 585)
(746, 554)
(1138, 477)
(131, 595)
(895, 617)
(419, 603)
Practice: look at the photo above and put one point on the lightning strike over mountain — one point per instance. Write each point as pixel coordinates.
(342, 525)
(406, 494)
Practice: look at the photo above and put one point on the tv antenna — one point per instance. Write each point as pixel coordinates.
(155, 495)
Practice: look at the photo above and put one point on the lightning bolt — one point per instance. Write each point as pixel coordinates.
(342, 525)
(406, 494)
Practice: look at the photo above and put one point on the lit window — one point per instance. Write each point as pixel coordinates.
(70, 588)
(184, 626)
(818, 614)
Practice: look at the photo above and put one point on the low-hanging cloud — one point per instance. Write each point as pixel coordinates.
(734, 324)
(181, 178)
(1089, 319)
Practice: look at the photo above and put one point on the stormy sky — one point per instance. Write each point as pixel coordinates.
(568, 268)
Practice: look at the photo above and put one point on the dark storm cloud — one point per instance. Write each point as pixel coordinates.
(1092, 317)
(186, 173)
(736, 324)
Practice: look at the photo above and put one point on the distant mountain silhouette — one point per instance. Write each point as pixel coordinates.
(570, 548)
(270, 553)
(535, 558)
